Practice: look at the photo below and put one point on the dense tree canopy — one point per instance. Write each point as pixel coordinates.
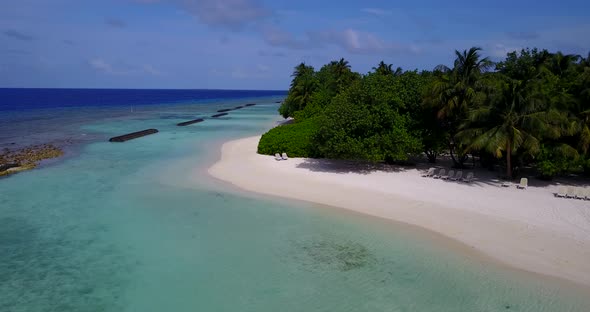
(531, 109)
(365, 122)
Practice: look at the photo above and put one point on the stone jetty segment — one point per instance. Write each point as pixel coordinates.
(133, 135)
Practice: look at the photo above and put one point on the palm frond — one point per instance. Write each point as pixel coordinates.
(566, 150)
(584, 143)
(530, 144)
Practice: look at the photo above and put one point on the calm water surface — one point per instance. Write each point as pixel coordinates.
(138, 226)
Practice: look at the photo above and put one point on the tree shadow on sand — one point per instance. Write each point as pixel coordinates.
(486, 177)
(482, 176)
(348, 166)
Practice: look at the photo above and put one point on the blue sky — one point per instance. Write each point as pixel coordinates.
(250, 44)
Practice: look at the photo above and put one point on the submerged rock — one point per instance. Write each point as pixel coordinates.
(12, 161)
(328, 254)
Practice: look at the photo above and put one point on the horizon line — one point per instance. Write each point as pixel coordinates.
(88, 88)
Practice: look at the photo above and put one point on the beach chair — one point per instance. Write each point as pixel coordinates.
(524, 183)
(570, 192)
(561, 192)
(468, 178)
(284, 156)
(580, 193)
(458, 176)
(587, 193)
(442, 173)
(430, 172)
(278, 156)
(450, 176)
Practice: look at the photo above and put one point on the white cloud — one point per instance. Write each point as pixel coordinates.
(241, 73)
(351, 40)
(236, 14)
(263, 68)
(359, 42)
(228, 14)
(151, 70)
(280, 38)
(375, 11)
(260, 71)
(500, 50)
(105, 67)
(216, 72)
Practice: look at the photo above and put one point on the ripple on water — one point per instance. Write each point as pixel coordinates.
(119, 228)
(329, 254)
(44, 271)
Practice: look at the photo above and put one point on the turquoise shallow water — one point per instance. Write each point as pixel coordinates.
(127, 227)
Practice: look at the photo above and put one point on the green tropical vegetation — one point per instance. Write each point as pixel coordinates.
(531, 110)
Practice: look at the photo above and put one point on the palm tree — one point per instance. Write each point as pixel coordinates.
(338, 75)
(469, 65)
(387, 69)
(301, 93)
(383, 69)
(303, 85)
(515, 120)
(339, 67)
(585, 62)
(457, 90)
(560, 64)
(342, 66)
(300, 71)
(581, 109)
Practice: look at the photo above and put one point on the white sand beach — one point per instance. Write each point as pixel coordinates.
(527, 229)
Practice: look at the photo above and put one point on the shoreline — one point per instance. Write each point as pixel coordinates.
(547, 244)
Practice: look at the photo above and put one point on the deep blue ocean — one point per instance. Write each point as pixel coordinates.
(23, 98)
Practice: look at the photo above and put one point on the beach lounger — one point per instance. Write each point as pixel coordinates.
(587, 193)
(278, 156)
(441, 173)
(570, 192)
(468, 178)
(506, 184)
(561, 192)
(575, 192)
(284, 156)
(450, 175)
(580, 193)
(524, 183)
(430, 172)
(458, 176)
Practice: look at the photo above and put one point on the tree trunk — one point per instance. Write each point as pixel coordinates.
(431, 154)
(451, 148)
(509, 159)
(459, 160)
(462, 160)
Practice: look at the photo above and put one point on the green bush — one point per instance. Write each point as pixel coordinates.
(548, 169)
(364, 124)
(557, 159)
(293, 139)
